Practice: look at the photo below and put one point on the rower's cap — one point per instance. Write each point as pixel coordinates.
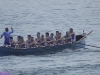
(42, 35)
(52, 34)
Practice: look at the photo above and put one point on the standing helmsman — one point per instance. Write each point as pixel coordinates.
(7, 34)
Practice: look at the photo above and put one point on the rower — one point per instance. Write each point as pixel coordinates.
(22, 43)
(67, 38)
(12, 43)
(7, 34)
(18, 41)
(52, 40)
(59, 40)
(57, 34)
(38, 39)
(56, 37)
(32, 44)
(42, 41)
(47, 38)
(28, 41)
(72, 34)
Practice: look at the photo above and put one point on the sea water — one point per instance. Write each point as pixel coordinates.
(32, 16)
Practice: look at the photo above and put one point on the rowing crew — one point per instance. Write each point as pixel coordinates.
(40, 41)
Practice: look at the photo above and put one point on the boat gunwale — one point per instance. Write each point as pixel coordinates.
(32, 48)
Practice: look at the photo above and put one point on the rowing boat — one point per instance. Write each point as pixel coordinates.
(4, 51)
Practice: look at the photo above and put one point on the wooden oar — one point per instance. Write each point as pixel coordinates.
(84, 36)
(79, 46)
(89, 45)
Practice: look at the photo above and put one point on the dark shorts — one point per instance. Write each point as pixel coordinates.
(6, 43)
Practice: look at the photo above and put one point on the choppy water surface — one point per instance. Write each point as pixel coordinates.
(31, 16)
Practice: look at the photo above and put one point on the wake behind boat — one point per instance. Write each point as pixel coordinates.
(42, 50)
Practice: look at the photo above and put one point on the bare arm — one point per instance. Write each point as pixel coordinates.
(2, 35)
(43, 42)
(34, 42)
(23, 43)
(12, 30)
(53, 40)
